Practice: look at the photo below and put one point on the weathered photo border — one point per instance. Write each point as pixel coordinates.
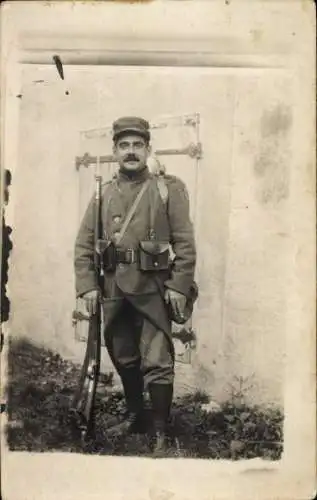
(274, 34)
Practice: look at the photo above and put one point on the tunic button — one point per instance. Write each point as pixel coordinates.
(117, 219)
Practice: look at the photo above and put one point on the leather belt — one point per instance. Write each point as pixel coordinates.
(129, 256)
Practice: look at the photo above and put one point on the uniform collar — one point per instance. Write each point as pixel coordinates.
(139, 176)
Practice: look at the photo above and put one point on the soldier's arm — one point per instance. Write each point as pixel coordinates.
(182, 238)
(85, 274)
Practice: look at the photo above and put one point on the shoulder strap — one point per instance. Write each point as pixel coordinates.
(132, 211)
(160, 191)
(162, 187)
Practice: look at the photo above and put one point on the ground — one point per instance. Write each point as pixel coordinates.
(42, 383)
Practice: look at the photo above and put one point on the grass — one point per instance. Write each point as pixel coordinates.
(41, 385)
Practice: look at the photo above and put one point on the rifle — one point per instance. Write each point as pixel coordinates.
(83, 402)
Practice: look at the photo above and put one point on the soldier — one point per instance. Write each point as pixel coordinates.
(142, 291)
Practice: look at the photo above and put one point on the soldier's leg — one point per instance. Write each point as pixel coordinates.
(122, 344)
(157, 363)
(121, 340)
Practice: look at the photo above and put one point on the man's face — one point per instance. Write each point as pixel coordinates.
(131, 152)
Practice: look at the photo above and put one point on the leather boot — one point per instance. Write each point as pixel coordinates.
(134, 422)
(161, 397)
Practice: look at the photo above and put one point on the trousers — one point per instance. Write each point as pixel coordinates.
(133, 341)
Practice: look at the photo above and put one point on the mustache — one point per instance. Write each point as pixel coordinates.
(131, 157)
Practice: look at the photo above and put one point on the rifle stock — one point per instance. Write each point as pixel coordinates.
(83, 402)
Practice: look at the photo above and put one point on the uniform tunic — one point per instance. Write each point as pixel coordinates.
(137, 325)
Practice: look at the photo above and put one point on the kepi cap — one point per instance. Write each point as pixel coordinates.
(131, 124)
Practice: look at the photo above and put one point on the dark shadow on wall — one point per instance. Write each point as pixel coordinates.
(5, 253)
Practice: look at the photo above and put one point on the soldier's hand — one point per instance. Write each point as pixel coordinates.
(177, 301)
(91, 299)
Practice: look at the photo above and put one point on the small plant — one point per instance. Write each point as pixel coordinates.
(239, 389)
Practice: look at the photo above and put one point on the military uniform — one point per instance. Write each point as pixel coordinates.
(137, 323)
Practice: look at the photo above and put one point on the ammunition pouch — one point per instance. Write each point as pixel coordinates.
(154, 256)
(107, 251)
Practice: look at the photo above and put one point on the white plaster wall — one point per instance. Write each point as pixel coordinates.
(242, 236)
(259, 249)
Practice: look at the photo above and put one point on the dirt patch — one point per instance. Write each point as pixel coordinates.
(41, 385)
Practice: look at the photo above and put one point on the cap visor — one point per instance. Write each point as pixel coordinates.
(133, 131)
